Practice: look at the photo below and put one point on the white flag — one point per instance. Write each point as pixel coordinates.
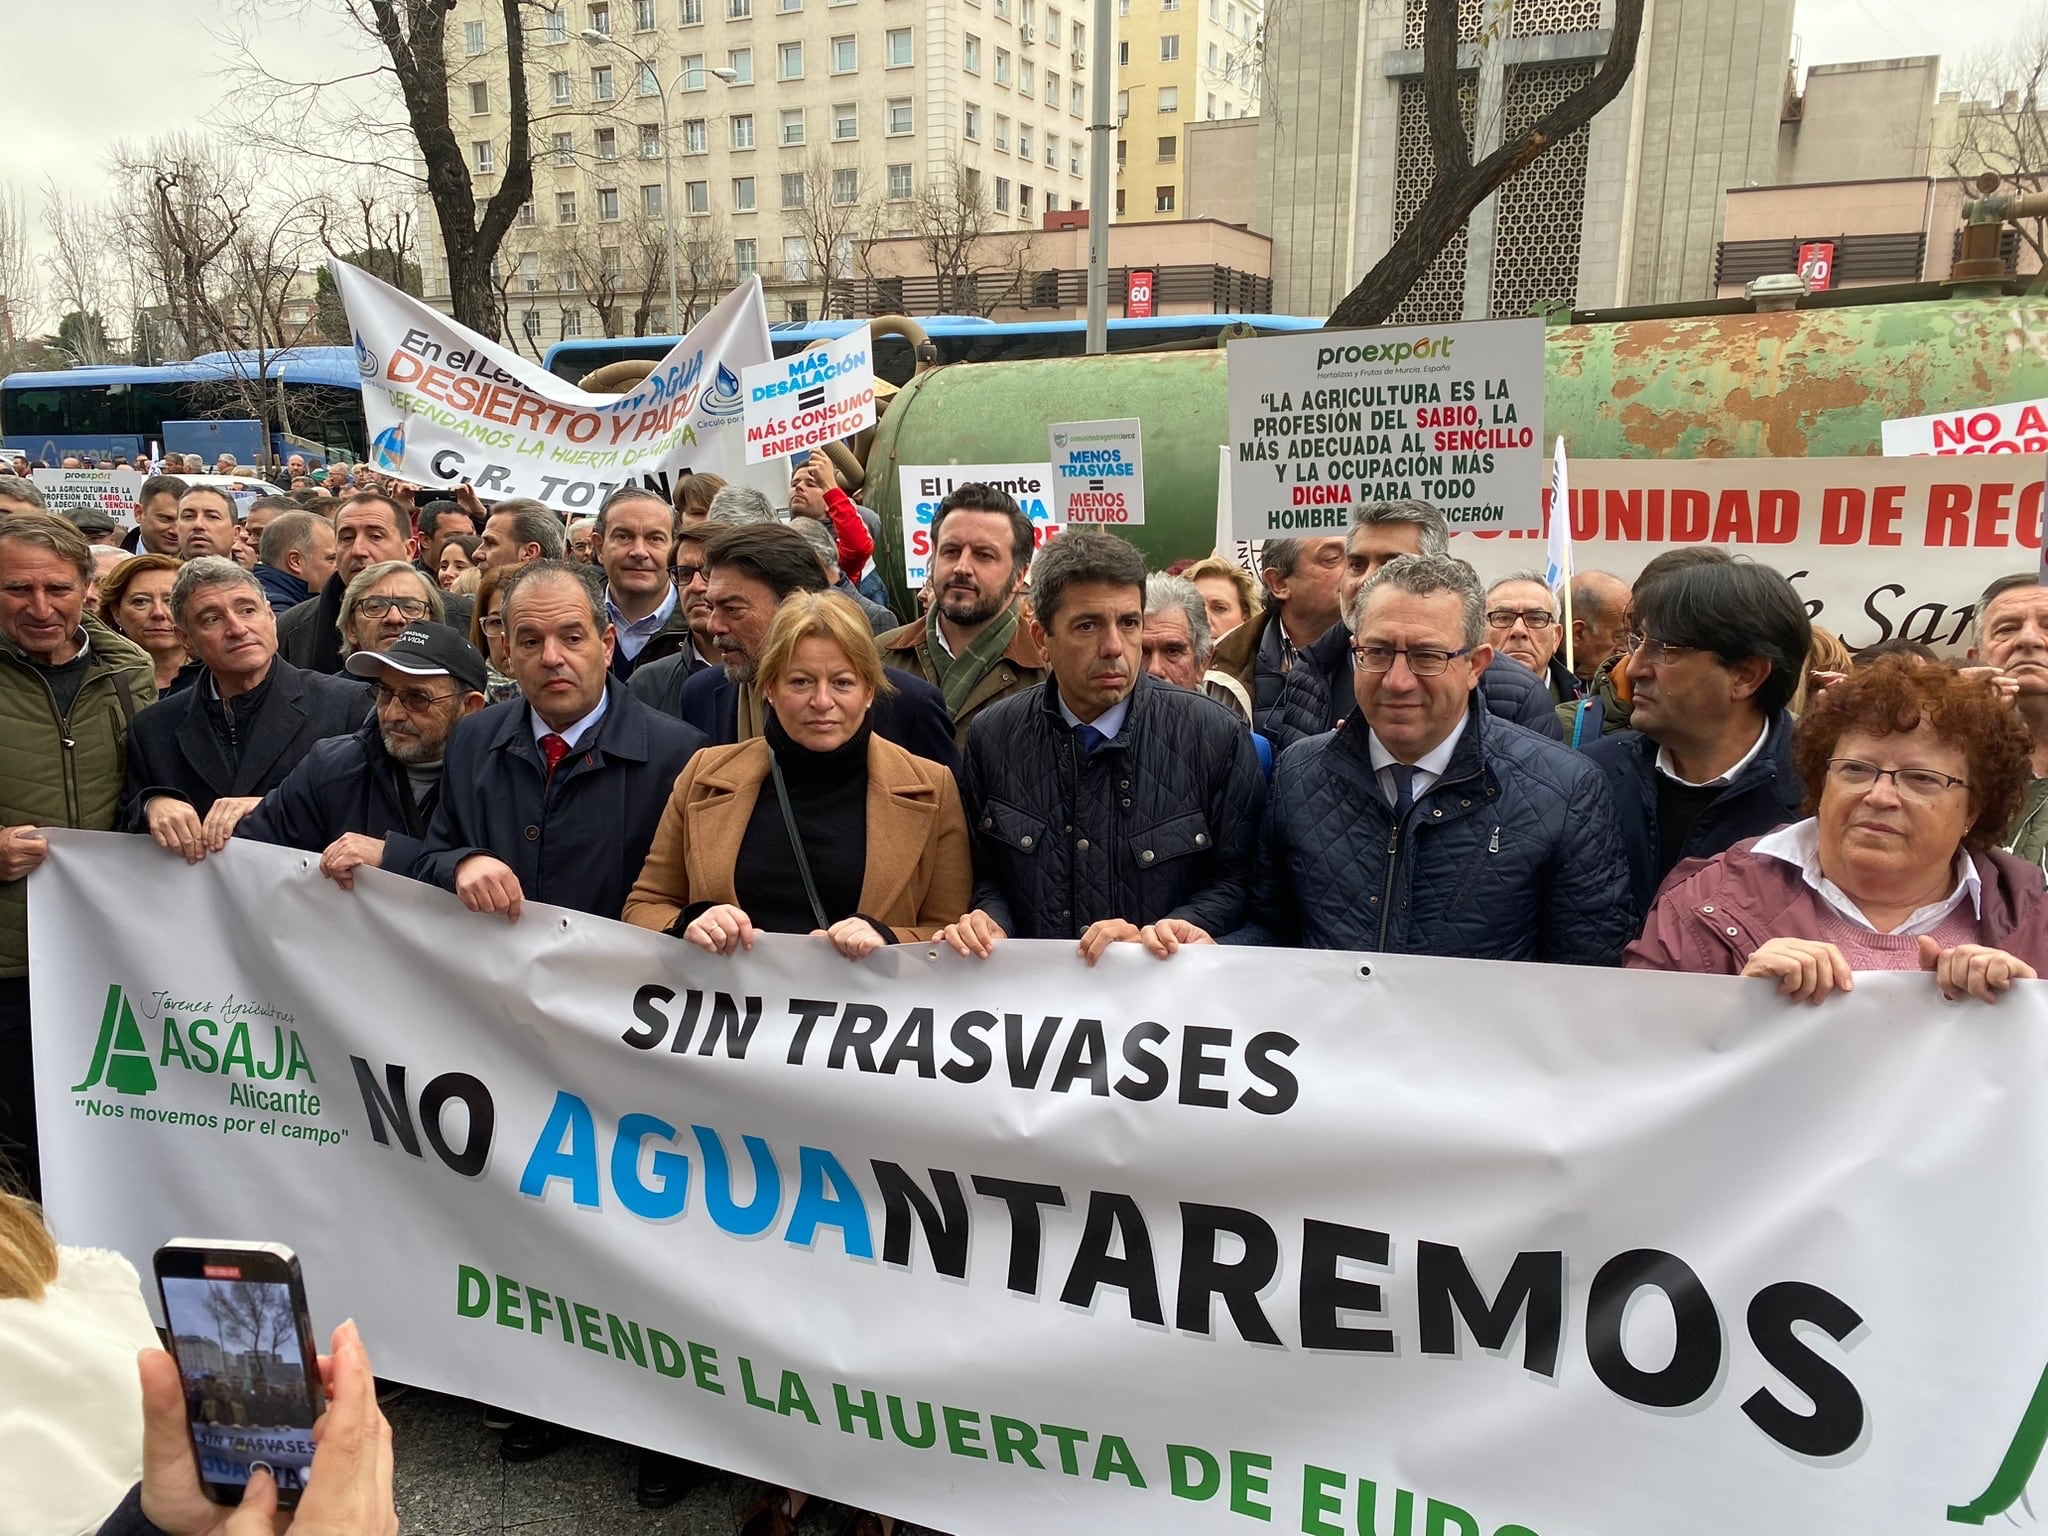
(1557, 569)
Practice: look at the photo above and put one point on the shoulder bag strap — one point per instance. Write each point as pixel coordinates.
(796, 842)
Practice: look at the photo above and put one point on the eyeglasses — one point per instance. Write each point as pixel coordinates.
(491, 626)
(414, 701)
(1649, 652)
(1423, 661)
(1912, 783)
(1535, 620)
(411, 609)
(685, 574)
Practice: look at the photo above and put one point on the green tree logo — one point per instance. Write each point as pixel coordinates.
(119, 1056)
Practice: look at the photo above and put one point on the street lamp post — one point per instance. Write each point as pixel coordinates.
(668, 186)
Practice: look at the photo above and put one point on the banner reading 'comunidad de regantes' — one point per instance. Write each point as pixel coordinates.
(1248, 1240)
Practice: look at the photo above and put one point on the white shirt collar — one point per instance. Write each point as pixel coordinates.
(1433, 762)
(575, 733)
(1110, 722)
(1799, 846)
(1669, 769)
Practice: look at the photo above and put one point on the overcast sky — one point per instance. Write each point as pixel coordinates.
(91, 73)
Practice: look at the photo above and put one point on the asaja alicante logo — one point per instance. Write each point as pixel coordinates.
(246, 1044)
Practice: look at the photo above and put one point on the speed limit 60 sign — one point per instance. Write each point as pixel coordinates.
(1138, 294)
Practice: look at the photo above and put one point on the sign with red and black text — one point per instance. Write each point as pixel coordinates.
(1879, 548)
(795, 404)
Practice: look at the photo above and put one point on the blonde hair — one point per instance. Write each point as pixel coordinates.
(825, 616)
(1249, 595)
(28, 1254)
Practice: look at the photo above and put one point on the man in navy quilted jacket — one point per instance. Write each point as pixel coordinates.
(1425, 824)
(1103, 802)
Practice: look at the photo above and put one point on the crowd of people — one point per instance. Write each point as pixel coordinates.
(701, 716)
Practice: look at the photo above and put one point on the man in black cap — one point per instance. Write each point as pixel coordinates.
(367, 798)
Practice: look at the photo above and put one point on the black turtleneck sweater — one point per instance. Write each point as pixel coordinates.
(828, 791)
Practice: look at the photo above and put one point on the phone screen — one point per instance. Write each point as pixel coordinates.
(237, 1347)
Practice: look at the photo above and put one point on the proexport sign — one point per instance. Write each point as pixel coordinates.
(1325, 422)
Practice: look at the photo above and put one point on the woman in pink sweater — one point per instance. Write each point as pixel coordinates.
(1912, 770)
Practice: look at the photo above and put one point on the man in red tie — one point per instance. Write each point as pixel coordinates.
(554, 796)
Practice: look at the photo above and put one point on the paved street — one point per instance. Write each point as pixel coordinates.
(452, 1483)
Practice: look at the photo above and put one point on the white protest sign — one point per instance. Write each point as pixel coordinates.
(112, 491)
(921, 487)
(2021, 427)
(1098, 472)
(795, 404)
(1240, 1242)
(446, 405)
(1324, 422)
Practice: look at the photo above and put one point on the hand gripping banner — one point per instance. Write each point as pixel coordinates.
(1242, 1241)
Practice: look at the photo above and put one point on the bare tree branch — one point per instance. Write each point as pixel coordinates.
(1460, 185)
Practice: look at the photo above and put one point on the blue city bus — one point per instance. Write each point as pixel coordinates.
(113, 410)
(958, 338)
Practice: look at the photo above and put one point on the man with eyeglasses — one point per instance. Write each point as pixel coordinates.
(1522, 623)
(658, 681)
(381, 601)
(369, 529)
(1424, 824)
(1707, 760)
(367, 799)
(1317, 692)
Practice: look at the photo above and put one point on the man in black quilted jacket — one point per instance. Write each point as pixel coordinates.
(1425, 824)
(1104, 802)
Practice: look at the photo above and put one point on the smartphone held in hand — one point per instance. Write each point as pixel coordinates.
(236, 1313)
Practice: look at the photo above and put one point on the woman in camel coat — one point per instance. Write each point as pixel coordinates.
(880, 833)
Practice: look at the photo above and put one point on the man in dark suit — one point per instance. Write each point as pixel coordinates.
(554, 797)
(201, 760)
(751, 569)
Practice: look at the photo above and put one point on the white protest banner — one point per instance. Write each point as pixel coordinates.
(921, 487)
(1879, 548)
(815, 397)
(1098, 472)
(445, 405)
(1327, 421)
(1244, 1241)
(2020, 427)
(112, 491)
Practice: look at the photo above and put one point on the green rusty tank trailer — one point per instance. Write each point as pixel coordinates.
(1811, 377)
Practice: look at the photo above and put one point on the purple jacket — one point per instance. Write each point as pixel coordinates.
(1713, 914)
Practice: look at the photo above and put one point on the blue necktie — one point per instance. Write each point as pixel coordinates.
(1089, 738)
(1404, 789)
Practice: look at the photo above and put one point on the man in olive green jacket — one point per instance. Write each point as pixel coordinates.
(68, 688)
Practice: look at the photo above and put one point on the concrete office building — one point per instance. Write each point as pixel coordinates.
(1178, 62)
(1874, 164)
(837, 116)
(1627, 211)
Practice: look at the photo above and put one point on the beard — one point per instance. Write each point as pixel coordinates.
(739, 666)
(969, 606)
(411, 750)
